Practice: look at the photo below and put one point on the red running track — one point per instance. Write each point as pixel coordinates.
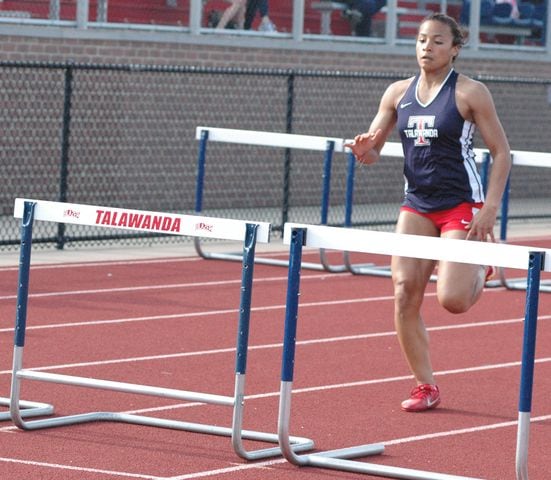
(172, 323)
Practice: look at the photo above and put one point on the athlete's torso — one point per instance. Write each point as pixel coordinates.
(439, 165)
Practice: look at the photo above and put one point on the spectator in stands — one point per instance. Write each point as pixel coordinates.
(436, 113)
(360, 13)
(260, 6)
(235, 12)
(487, 10)
(514, 7)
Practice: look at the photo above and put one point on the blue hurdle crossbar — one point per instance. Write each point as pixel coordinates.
(192, 225)
(354, 240)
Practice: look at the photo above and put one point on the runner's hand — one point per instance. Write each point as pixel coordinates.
(363, 146)
(482, 225)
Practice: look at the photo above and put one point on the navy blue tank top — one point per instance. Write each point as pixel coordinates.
(439, 167)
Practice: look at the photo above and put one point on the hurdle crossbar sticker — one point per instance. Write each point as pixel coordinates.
(127, 219)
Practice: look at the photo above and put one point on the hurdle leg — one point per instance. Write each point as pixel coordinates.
(331, 459)
(17, 407)
(199, 188)
(527, 368)
(287, 370)
(349, 202)
(299, 444)
(326, 191)
(28, 409)
(366, 268)
(510, 284)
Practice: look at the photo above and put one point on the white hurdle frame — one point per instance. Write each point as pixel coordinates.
(526, 159)
(298, 236)
(228, 229)
(329, 145)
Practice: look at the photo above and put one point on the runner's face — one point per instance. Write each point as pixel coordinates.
(434, 45)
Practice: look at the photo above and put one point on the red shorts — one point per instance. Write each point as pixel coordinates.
(456, 218)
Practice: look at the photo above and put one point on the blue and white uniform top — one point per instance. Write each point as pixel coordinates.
(439, 167)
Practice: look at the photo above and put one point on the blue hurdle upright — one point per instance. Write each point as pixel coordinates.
(28, 408)
(228, 229)
(364, 241)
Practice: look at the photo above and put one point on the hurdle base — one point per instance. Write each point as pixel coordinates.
(237, 434)
(29, 409)
(299, 444)
(323, 461)
(521, 283)
(352, 452)
(238, 257)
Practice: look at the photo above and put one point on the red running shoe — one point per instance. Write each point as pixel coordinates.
(422, 397)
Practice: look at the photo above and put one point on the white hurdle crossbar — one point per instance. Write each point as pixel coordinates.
(482, 156)
(394, 150)
(511, 256)
(329, 145)
(175, 224)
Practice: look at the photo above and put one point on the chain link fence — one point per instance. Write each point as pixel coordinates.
(124, 136)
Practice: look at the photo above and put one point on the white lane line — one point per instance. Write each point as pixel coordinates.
(209, 313)
(102, 263)
(213, 283)
(336, 386)
(79, 469)
(204, 313)
(267, 464)
(268, 345)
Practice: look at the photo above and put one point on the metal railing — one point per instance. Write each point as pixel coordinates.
(195, 28)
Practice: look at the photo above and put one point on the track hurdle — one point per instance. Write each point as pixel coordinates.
(482, 156)
(527, 159)
(228, 229)
(364, 241)
(328, 145)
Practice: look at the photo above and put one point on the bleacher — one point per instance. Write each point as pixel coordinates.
(160, 12)
(497, 24)
(176, 12)
(318, 17)
(410, 13)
